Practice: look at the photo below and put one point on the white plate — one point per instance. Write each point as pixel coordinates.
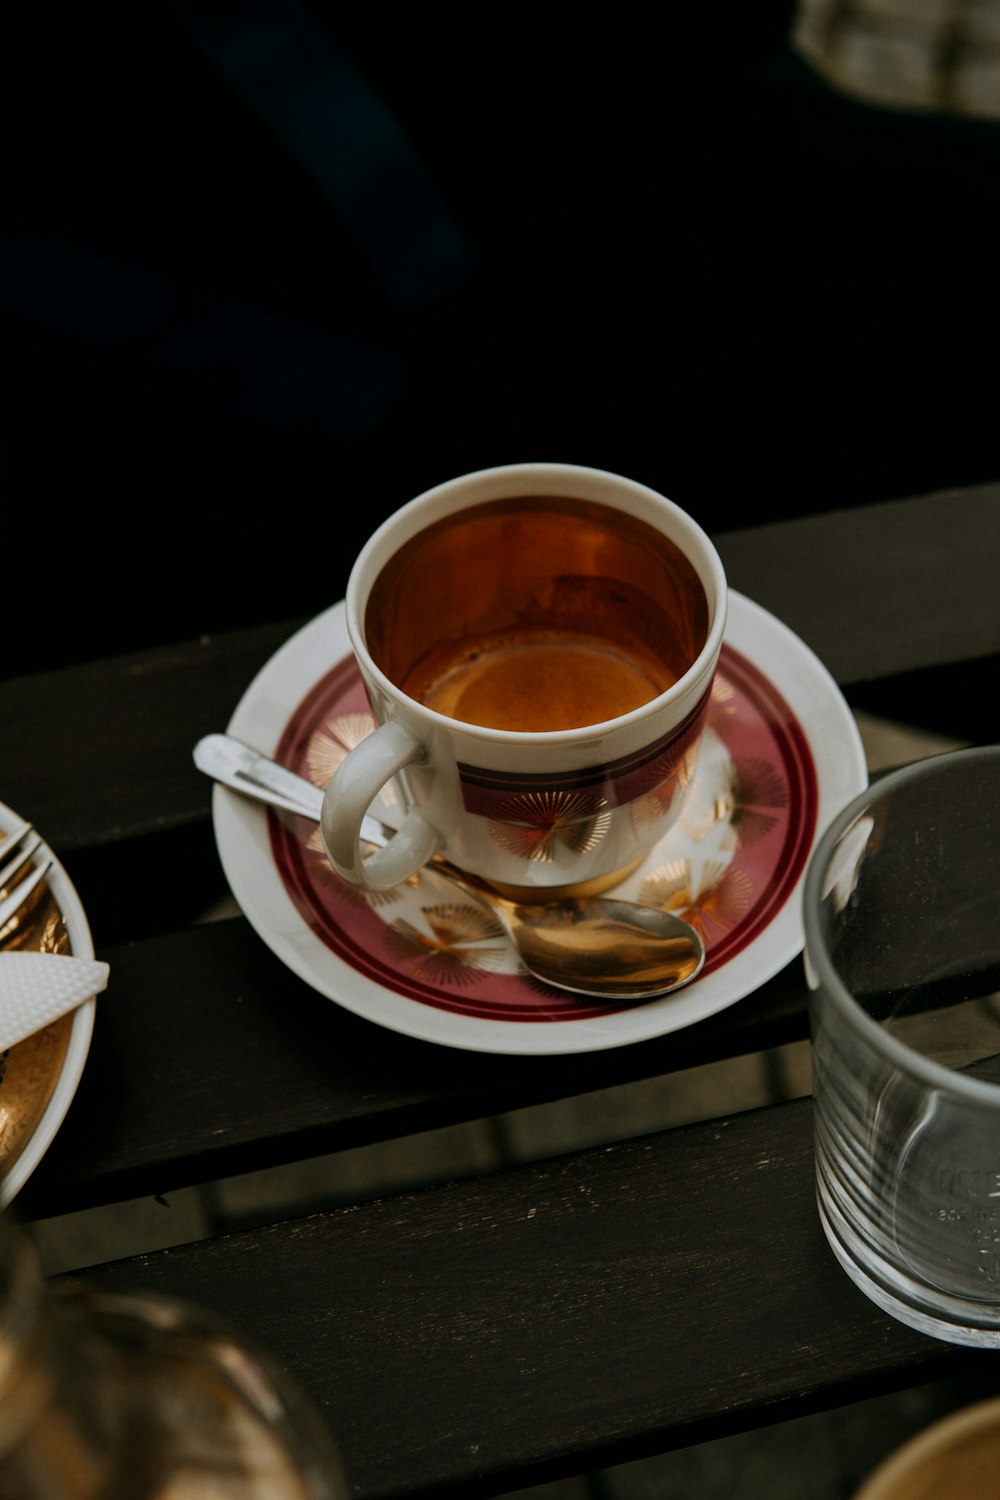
(782, 756)
(43, 1072)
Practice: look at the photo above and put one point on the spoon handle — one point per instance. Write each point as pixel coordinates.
(567, 944)
(243, 769)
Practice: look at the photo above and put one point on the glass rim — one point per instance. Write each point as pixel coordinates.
(817, 956)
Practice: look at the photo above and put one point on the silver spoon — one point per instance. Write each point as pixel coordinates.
(592, 945)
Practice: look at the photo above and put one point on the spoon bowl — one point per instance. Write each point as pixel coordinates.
(591, 945)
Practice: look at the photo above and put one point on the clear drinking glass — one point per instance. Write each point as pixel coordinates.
(902, 938)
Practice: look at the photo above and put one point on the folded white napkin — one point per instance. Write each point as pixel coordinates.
(37, 988)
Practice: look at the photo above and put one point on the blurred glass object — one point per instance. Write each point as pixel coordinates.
(939, 56)
(140, 1397)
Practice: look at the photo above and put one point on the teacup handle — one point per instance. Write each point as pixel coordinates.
(354, 785)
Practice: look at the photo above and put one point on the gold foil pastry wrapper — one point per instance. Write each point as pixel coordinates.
(30, 1070)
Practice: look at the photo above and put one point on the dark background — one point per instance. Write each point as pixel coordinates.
(270, 269)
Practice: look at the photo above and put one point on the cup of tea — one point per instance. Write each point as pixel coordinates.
(953, 1459)
(902, 949)
(538, 643)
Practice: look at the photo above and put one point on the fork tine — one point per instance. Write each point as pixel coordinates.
(12, 841)
(17, 851)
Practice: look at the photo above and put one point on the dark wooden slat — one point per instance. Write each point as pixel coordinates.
(883, 589)
(210, 1058)
(564, 1316)
(145, 864)
(552, 1319)
(101, 754)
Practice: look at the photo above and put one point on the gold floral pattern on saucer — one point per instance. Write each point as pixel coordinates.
(733, 858)
(531, 824)
(714, 898)
(773, 704)
(453, 944)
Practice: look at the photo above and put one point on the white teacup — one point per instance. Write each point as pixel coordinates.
(538, 643)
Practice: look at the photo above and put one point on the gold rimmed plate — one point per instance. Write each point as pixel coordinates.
(40, 1076)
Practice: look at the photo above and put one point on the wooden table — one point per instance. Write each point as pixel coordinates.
(488, 1333)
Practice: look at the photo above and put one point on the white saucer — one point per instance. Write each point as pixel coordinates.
(40, 1076)
(782, 756)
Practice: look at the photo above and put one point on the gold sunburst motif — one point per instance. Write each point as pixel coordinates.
(722, 705)
(755, 786)
(672, 773)
(677, 763)
(710, 803)
(447, 953)
(713, 902)
(326, 876)
(669, 887)
(329, 746)
(532, 825)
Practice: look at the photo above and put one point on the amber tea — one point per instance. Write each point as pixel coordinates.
(536, 614)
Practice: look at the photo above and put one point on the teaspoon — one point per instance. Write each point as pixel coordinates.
(591, 945)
